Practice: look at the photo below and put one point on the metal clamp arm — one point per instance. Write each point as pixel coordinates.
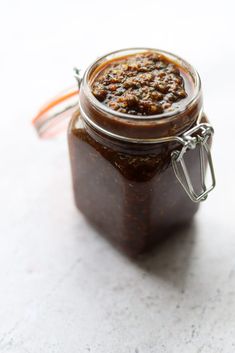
(197, 136)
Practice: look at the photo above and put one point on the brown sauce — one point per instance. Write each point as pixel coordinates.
(142, 84)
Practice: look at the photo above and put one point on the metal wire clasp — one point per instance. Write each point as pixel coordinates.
(77, 76)
(197, 136)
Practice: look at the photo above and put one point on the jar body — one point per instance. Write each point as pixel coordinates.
(129, 192)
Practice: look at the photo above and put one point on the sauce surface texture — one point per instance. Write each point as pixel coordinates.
(142, 84)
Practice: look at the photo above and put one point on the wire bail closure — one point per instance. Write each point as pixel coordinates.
(197, 136)
(77, 76)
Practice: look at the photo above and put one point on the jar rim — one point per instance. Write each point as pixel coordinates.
(153, 118)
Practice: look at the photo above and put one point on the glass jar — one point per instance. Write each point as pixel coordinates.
(138, 178)
(135, 178)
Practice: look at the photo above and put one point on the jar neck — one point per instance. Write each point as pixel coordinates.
(145, 130)
(122, 145)
(126, 126)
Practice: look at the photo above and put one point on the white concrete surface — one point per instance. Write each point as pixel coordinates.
(63, 289)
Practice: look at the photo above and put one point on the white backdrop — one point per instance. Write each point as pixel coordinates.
(62, 288)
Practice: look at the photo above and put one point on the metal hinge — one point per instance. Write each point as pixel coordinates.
(197, 136)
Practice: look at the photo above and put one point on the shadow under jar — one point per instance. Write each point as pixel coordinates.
(137, 177)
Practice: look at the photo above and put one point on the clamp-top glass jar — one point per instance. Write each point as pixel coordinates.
(136, 178)
(139, 144)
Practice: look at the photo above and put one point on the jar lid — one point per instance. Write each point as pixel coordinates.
(54, 116)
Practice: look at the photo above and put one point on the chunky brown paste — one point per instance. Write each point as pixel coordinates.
(140, 84)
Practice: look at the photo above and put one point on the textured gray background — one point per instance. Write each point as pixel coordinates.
(62, 287)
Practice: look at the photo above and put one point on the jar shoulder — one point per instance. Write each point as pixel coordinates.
(138, 163)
